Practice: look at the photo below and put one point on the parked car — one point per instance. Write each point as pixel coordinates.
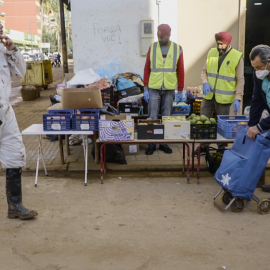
(39, 56)
(28, 57)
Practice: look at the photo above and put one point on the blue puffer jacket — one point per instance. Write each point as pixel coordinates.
(257, 105)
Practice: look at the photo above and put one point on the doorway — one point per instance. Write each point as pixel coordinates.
(257, 32)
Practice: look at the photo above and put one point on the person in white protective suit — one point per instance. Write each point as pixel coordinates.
(12, 151)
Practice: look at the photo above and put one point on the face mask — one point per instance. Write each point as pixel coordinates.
(261, 74)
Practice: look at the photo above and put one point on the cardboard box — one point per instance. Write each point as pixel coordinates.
(177, 130)
(150, 129)
(82, 98)
(131, 149)
(114, 117)
(122, 130)
(173, 118)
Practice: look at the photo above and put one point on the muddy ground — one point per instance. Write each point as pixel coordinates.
(141, 221)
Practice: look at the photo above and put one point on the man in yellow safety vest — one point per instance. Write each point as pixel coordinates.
(163, 74)
(223, 78)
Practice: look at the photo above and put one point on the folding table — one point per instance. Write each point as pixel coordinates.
(136, 141)
(37, 129)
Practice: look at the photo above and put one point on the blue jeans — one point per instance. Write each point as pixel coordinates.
(160, 100)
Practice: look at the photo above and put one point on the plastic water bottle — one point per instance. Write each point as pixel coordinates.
(184, 95)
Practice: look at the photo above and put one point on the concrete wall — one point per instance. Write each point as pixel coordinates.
(106, 30)
(198, 21)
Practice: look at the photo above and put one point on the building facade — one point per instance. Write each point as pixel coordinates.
(23, 23)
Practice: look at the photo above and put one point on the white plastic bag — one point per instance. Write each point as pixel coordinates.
(110, 70)
(131, 99)
(247, 111)
(84, 77)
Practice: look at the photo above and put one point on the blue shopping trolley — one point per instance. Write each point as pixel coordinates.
(240, 171)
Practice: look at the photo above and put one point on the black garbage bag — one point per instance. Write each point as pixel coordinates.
(109, 109)
(52, 138)
(53, 100)
(115, 153)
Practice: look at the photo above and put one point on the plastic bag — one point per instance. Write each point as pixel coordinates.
(131, 99)
(123, 83)
(111, 70)
(109, 109)
(265, 114)
(115, 154)
(83, 77)
(60, 88)
(247, 111)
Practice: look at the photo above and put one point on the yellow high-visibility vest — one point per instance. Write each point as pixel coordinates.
(223, 82)
(164, 73)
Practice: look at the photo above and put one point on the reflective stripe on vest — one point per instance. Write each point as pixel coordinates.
(224, 82)
(229, 79)
(164, 74)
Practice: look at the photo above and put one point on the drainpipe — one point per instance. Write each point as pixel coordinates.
(158, 2)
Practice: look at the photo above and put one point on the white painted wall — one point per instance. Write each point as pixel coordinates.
(108, 29)
(198, 22)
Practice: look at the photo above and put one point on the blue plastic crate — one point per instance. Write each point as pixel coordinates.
(70, 112)
(230, 122)
(56, 122)
(88, 119)
(229, 125)
(181, 109)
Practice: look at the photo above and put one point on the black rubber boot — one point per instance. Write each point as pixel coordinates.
(14, 196)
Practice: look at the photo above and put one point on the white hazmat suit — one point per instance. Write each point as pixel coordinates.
(12, 150)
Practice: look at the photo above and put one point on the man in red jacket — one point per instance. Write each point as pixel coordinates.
(163, 74)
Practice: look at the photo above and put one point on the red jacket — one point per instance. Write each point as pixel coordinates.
(180, 70)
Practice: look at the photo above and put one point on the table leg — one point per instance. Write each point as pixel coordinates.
(184, 157)
(67, 144)
(188, 162)
(105, 159)
(85, 157)
(83, 138)
(199, 161)
(192, 163)
(61, 150)
(41, 155)
(38, 158)
(101, 164)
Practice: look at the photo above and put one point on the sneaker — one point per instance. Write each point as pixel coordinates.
(266, 188)
(151, 148)
(165, 148)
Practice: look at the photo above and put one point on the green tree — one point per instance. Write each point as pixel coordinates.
(51, 9)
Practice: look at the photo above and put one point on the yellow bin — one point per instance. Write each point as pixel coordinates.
(38, 73)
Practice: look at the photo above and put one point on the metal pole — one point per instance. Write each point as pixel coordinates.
(63, 34)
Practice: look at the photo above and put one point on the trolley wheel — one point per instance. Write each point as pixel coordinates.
(238, 205)
(264, 206)
(227, 196)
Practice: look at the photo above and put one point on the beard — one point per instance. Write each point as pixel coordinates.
(222, 51)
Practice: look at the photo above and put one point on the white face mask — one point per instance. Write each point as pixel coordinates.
(261, 74)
